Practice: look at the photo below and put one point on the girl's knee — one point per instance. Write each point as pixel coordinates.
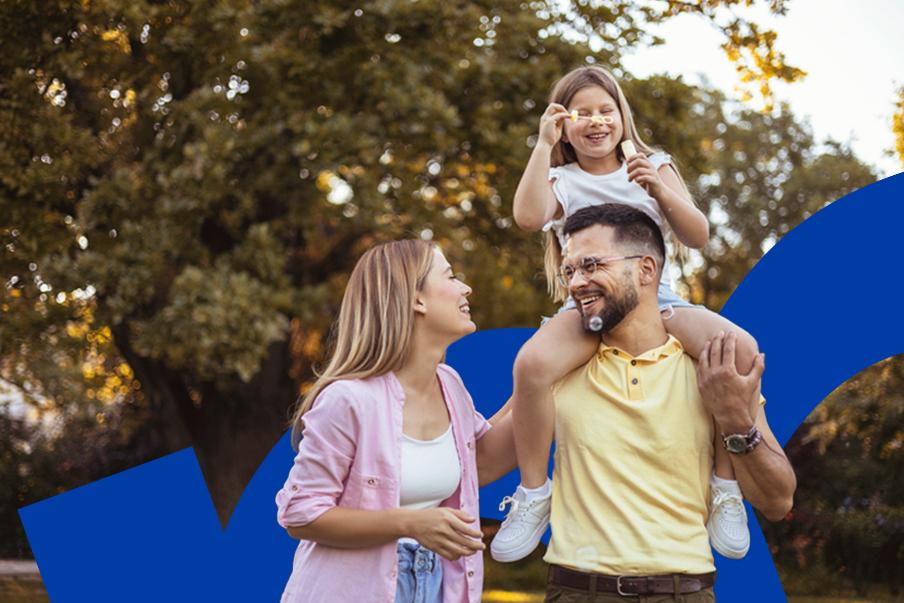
(531, 367)
(746, 350)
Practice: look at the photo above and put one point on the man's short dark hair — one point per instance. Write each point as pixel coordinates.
(631, 226)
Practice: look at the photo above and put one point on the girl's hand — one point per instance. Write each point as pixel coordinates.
(446, 532)
(641, 171)
(551, 123)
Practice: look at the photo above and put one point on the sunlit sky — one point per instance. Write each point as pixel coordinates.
(853, 53)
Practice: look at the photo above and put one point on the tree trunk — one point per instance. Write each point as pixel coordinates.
(232, 425)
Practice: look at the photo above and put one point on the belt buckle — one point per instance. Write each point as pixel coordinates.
(620, 591)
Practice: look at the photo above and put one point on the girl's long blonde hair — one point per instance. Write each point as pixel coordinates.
(563, 153)
(372, 334)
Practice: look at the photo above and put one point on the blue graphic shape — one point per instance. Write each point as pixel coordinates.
(151, 533)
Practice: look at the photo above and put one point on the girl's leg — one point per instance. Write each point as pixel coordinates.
(727, 523)
(559, 347)
(556, 349)
(693, 327)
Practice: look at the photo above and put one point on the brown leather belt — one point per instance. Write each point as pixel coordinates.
(631, 585)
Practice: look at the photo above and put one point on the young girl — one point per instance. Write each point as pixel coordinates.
(579, 161)
(383, 491)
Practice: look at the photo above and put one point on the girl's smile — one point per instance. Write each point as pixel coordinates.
(595, 129)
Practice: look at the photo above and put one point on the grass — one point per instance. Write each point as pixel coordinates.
(22, 590)
(505, 596)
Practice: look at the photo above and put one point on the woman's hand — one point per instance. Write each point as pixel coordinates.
(446, 532)
(551, 124)
(641, 171)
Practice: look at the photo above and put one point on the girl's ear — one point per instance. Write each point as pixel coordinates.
(420, 307)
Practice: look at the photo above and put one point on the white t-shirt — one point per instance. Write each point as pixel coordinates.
(576, 189)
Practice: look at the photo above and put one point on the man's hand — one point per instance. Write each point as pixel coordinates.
(732, 398)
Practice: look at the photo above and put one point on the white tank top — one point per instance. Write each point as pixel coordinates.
(430, 471)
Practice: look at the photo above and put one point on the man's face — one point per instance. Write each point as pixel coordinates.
(610, 292)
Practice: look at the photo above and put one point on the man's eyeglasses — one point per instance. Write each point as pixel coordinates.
(588, 266)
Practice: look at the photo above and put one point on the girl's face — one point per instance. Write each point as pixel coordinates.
(593, 139)
(443, 302)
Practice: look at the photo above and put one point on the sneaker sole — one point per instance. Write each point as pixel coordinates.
(521, 552)
(726, 551)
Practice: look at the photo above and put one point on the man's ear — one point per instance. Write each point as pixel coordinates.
(649, 270)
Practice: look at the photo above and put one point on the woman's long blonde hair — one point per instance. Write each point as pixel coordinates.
(372, 334)
(563, 153)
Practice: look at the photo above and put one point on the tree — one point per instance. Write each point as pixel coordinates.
(849, 459)
(192, 182)
(767, 175)
(897, 126)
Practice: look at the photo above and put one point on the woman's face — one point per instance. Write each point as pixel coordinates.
(442, 303)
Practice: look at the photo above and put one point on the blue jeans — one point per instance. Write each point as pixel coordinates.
(420, 575)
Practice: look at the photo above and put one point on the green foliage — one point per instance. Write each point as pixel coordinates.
(41, 460)
(897, 126)
(849, 458)
(767, 175)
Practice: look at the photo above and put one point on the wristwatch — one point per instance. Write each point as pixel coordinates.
(742, 443)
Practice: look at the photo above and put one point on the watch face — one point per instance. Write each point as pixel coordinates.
(736, 443)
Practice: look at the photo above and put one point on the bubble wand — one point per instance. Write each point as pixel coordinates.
(596, 119)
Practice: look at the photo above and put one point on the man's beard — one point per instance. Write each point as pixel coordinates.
(616, 306)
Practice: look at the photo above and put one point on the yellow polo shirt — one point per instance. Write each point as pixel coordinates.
(634, 455)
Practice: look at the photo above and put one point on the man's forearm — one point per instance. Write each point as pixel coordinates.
(766, 476)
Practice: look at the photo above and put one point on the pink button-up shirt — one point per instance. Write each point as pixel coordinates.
(350, 456)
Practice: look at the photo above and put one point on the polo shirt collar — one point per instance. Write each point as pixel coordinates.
(670, 347)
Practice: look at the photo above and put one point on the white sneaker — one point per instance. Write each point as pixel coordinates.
(727, 525)
(523, 527)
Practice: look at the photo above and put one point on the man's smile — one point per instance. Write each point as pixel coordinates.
(587, 299)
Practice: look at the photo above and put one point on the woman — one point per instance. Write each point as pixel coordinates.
(383, 492)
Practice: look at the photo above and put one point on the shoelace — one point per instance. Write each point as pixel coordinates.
(508, 500)
(731, 503)
(519, 508)
(516, 508)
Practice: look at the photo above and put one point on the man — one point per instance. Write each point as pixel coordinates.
(634, 430)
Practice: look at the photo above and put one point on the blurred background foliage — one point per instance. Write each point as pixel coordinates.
(846, 532)
(185, 186)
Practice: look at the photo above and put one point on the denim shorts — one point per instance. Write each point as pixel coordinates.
(668, 301)
(420, 575)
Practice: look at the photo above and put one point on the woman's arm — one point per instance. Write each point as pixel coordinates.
(496, 449)
(686, 220)
(326, 453)
(443, 530)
